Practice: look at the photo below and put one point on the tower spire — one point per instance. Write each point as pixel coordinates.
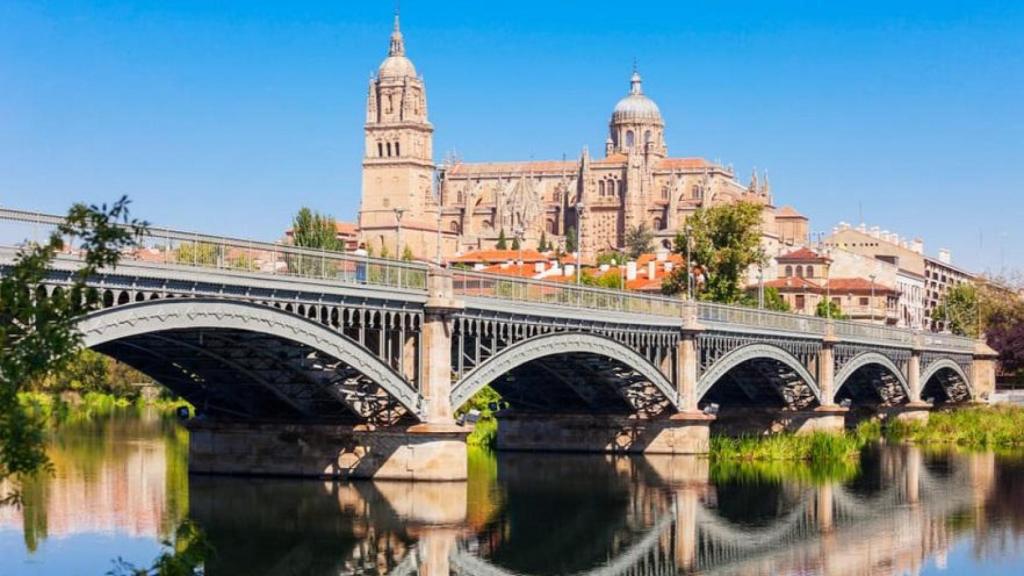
(635, 83)
(397, 47)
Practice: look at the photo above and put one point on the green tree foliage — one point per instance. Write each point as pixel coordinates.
(502, 241)
(959, 310)
(570, 239)
(89, 371)
(639, 240)
(315, 230)
(407, 253)
(515, 243)
(611, 258)
(773, 300)
(38, 333)
(185, 556)
(543, 246)
(198, 254)
(830, 309)
(724, 242)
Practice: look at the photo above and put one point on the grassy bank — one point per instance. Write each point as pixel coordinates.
(485, 433)
(787, 447)
(52, 409)
(981, 427)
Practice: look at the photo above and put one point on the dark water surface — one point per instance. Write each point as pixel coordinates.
(121, 487)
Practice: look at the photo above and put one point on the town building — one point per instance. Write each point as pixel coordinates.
(634, 183)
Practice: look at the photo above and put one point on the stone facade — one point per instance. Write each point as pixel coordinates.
(634, 183)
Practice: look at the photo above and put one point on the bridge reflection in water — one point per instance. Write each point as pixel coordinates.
(599, 516)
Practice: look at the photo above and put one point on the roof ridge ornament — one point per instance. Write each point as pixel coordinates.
(397, 47)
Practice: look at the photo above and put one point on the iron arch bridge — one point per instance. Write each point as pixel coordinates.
(267, 331)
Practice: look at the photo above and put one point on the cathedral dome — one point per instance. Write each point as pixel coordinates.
(636, 106)
(396, 65)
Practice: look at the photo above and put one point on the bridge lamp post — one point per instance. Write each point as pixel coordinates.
(689, 264)
(760, 285)
(579, 237)
(398, 234)
(872, 276)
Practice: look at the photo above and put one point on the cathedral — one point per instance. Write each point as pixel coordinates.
(442, 211)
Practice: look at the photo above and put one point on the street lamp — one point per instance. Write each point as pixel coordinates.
(689, 265)
(398, 235)
(871, 303)
(760, 285)
(518, 233)
(579, 237)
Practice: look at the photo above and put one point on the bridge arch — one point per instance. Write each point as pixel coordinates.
(865, 361)
(555, 344)
(753, 353)
(946, 378)
(110, 328)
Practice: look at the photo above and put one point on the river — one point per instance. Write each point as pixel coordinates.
(120, 487)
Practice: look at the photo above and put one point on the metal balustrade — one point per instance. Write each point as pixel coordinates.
(162, 246)
(482, 285)
(760, 319)
(175, 247)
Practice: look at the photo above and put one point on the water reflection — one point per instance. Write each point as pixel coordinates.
(900, 510)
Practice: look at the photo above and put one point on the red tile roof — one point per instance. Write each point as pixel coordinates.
(499, 256)
(793, 283)
(682, 164)
(802, 254)
(857, 286)
(482, 168)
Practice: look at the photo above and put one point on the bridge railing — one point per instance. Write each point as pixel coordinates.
(163, 246)
(478, 284)
(948, 341)
(759, 319)
(848, 330)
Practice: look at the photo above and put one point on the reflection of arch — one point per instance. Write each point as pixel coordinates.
(868, 359)
(155, 316)
(552, 344)
(754, 352)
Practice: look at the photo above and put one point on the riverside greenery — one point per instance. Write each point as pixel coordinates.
(975, 427)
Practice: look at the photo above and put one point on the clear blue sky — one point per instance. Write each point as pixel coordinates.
(227, 116)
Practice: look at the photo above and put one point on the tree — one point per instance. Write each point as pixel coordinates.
(958, 311)
(542, 246)
(829, 309)
(502, 241)
(38, 334)
(723, 242)
(515, 243)
(315, 230)
(407, 253)
(773, 300)
(198, 254)
(610, 257)
(570, 239)
(639, 240)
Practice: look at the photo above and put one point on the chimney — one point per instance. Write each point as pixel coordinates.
(652, 269)
(538, 267)
(917, 246)
(661, 254)
(630, 271)
(876, 232)
(669, 266)
(570, 269)
(944, 256)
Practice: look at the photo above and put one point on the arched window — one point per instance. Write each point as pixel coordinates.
(810, 271)
(550, 226)
(789, 271)
(600, 187)
(657, 224)
(396, 149)
(389, 149)
(629, 138)
(799, 271)
(664, 192)
(380, 149)
(454, 227)
(695, 192)
(647, 137)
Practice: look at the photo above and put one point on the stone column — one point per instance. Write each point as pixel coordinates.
(983, 371)
(686, 361)
(827, 366)
(436, 368)
(914, 375)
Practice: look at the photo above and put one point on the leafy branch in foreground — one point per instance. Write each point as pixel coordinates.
(38, 332)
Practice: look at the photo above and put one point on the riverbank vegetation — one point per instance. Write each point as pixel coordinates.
(975, 427)
(789, 447)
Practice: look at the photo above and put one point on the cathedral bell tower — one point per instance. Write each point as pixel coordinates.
(398, 167)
